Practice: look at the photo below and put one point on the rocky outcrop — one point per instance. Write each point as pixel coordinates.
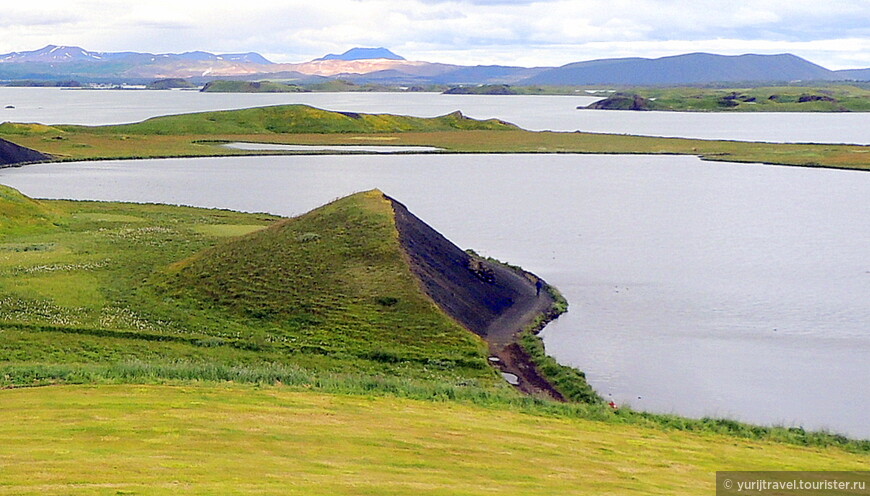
(621, 101)
(815, 98)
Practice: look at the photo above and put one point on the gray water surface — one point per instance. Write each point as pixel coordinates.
(536, 113)
(696, 288)
(331, 148)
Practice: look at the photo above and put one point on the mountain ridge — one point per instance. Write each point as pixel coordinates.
(691, 68)
(380, 65)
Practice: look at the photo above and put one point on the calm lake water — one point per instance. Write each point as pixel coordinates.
(331, 148)
(695, 288)
(557, 113)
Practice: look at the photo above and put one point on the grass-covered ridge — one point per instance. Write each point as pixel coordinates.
(284, 119)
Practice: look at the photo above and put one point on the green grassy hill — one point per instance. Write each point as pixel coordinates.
(294, 119)
(334, 281)
(329, 290)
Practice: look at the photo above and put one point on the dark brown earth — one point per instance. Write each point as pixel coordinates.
(12, 154)
(493, 301)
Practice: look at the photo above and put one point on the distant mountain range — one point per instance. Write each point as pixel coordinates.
(693, 68)
(380, 65)
(54, 54)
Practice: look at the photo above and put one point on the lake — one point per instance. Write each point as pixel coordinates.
(696, 288)
(556, 113)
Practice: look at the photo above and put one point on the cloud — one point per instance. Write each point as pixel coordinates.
(539, 32)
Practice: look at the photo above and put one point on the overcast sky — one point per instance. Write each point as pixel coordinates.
(832, 33)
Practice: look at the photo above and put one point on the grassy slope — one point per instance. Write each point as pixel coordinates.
(19, 213)
(242, 440)
(79, 293)
(333, 281)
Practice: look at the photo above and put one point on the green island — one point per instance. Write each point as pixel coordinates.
(832, 98)
(204, 134)
(811, 96)
(156, 349)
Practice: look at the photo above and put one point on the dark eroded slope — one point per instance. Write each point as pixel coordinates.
(12, 154)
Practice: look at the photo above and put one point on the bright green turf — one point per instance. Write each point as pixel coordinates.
(198, 440)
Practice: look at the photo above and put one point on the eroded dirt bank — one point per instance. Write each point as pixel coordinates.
(490, 299)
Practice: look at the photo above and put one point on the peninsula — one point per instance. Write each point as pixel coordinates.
(205, 133)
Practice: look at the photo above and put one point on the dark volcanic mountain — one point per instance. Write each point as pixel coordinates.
(363, 54)
(693, 68)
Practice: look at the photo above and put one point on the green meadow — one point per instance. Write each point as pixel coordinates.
(235, 439)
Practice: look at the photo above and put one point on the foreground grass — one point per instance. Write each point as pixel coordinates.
(497, 396)
(244, 440)
(203, 134)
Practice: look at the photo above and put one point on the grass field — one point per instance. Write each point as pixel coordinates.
(203, 134)
(232, 439)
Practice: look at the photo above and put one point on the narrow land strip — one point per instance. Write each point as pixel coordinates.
(203, 134)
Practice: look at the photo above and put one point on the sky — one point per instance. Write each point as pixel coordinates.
(831, 33)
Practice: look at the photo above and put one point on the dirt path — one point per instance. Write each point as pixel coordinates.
(503, 330)
(502, 335)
